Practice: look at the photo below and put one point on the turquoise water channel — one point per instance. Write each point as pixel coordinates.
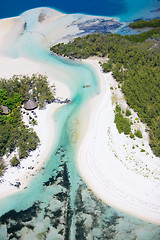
(58, 204)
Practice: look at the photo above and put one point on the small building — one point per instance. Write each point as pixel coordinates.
(5, 109)
(30, 105)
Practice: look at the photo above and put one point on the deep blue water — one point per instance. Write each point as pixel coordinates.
(125, 9)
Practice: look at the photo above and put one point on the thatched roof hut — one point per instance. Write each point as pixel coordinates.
(30, 105)
(5, 109)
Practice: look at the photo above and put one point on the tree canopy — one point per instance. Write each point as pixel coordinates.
(13, 93)
(135, 63)
(143, 23)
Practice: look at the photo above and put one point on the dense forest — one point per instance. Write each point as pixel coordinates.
(143, 23)
(135, 63)
(14, 92)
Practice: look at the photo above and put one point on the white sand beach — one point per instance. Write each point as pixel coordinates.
(113, 165)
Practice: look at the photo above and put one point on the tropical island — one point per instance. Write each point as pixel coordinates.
(95, 146)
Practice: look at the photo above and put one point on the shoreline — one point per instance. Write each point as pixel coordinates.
(109, 165)
(106, 160)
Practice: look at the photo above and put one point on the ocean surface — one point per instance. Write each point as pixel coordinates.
(58, 205)
(124, 9)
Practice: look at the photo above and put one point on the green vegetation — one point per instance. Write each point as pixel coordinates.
(134, 61)
(14, 161)
(20, 88)
(153, 34)
(33, 122)
(138, 134)
(131, 135)
(128, 112)
(13, 132)
(2, 166)
(142, 150)
(107, 67)
(118, 108)
(143, 23)
(123, 124)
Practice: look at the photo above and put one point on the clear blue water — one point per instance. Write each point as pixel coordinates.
(125, 9)
(57, 204)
